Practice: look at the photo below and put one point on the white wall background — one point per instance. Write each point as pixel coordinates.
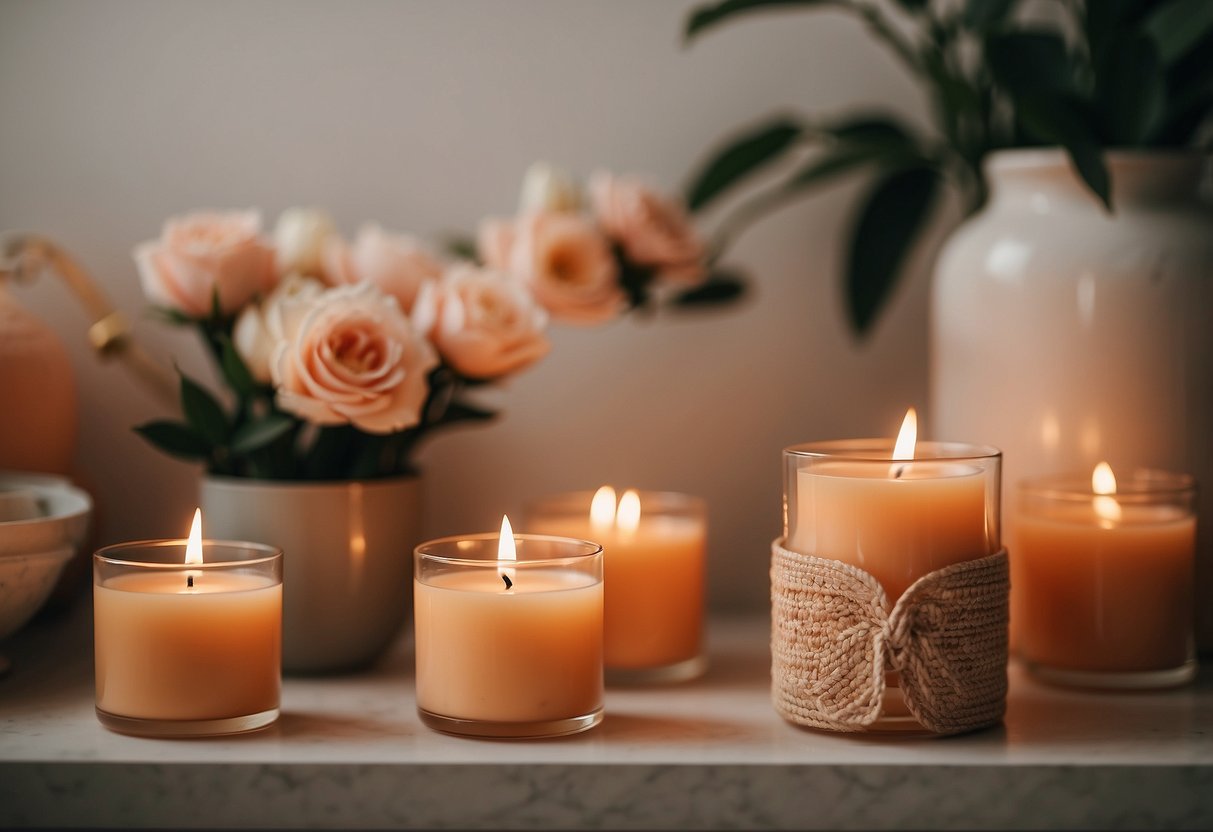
(115, 114)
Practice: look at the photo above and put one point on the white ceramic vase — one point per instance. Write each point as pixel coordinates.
(347, 560)
(1065, 335)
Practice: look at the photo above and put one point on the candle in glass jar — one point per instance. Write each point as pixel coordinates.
(511, 645)
(187, 636)
(1104, 578)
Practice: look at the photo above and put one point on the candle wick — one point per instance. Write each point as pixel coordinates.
(508, 583)
(189, 582)
(898, 471)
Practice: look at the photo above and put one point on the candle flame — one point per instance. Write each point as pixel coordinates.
(193, 549)
(602, 508)
(506, 551)
(1103, 483)
(627, 519)
(907, 437)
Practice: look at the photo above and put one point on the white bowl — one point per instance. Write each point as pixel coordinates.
(34, 551)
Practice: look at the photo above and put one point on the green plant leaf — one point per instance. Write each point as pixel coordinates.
(170, 315)
(1131, 91)
(712, 14)
(720, 288)
(1061, 121)
(253, 436)
(740, 157)
(1031, 62)
(981, 15)
(869, 129)
(176, 439)
(1176, 27)
(234, 369)
(891, 216)
(913, 6)
(203, 412)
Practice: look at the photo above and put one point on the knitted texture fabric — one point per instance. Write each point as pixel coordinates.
(833, 638)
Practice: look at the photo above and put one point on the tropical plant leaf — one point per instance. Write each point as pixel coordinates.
(1178, 26)
(176, 439)
(1131, 91)
(234, 369)
(745, 154)
(721, 287)
(254, 436)
(1059, 121)
(891, 216)
(1031, 62)
(712, 14)
(203, 412)
(981, 15)
(873, 129)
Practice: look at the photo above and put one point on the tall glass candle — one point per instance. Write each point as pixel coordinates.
(1103, 578)
(508, 632)
(654, 551)
(187, 649)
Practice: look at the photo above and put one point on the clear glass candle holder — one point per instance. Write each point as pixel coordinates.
(1104, 582)
(654, 562)
(187, 650)
(509, 647)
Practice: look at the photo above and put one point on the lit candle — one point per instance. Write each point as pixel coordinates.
(899, 515)
(654, 546)
(187, 636)
(508, 632)
(1104, 578)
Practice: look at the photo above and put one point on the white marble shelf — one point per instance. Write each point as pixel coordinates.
(350, 753)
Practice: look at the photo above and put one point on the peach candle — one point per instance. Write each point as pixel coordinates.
(187, 636)
(898, 510)
(654, 547)
(1104, 579)
(508, 632)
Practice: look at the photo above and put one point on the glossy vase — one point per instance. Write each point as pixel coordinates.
(347, 560)
(1066, 335)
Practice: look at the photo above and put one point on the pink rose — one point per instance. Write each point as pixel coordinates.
(353, 357)
(261, 325)
(483, 323)
(653, 230)
(568, 266)
(396, 263)
(200, 254)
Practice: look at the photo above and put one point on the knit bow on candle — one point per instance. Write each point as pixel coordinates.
(833, 639)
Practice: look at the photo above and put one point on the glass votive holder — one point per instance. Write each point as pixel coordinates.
(889, 563)
(654, 552)
(508, 647)
(1103, 579)
(187, 650)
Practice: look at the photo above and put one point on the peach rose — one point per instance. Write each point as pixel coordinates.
(300, 238)
(494, 241)
(352, 356)
(653, 230)
(261, 325)
(200, 254)
(396, 263)
(568, 266)
(483, 323)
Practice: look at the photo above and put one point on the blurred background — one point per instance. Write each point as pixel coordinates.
(423, 116)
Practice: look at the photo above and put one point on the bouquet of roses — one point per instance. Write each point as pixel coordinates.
(339, 355)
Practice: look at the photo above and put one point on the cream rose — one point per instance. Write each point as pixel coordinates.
(568, 266)
(199, 255)
(300, 238)
(653, 230)
(353, 357)
(484, 323)
(548, 188)
(261, 325)
(396, 263)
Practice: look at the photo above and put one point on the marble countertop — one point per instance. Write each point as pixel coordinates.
(350, 753)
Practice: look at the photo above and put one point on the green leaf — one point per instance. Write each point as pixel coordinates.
(1061, 121)
(176, 439)
(234, 369)
(981, 15)
(707, 16)
(461, 410)
(869, 129)
(752, 150)
(892, 215)
(170, 315)
(1031, 62)
(913, 6)
(462, 248)
(203, 412)
(1131, 91)
(1176, 27)
(720, 288)
(256, 435)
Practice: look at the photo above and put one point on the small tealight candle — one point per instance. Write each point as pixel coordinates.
(187, 636)
(1103, 578)
(508, 632)
(654, 551)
